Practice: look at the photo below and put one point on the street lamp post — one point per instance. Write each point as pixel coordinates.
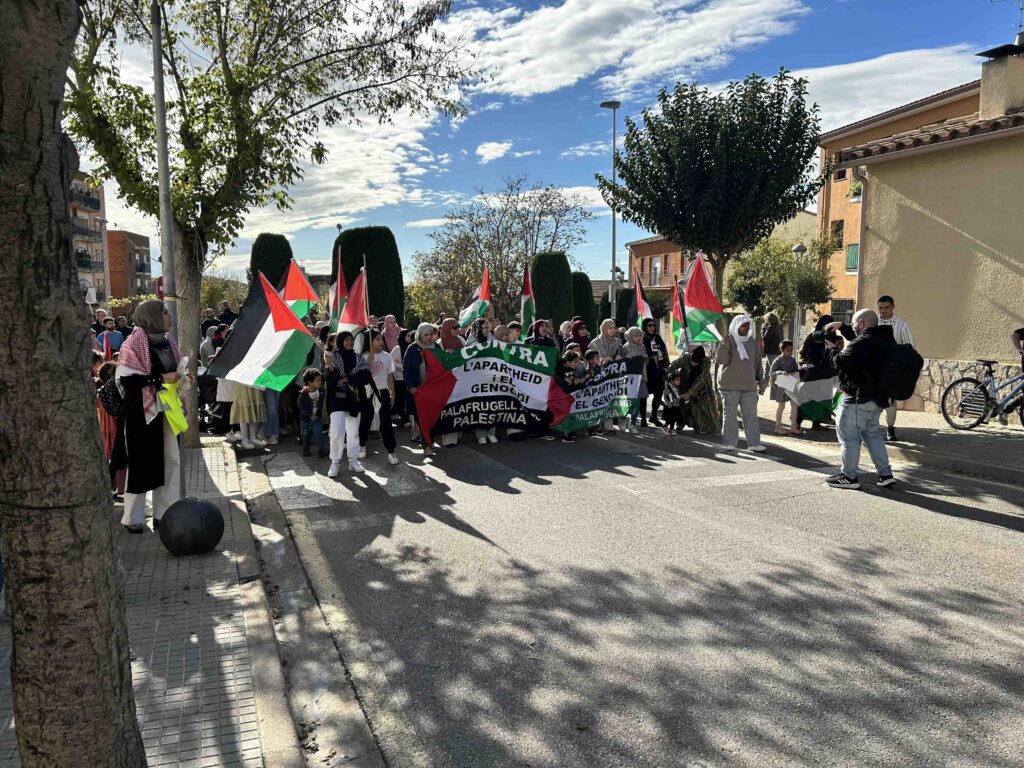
(163, 174)
(798, 250)
(613, 288)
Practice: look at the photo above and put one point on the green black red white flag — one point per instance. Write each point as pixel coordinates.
(477, 303)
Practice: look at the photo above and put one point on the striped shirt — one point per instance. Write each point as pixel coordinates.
(900, 329)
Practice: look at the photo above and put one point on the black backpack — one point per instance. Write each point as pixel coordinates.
(900, 372)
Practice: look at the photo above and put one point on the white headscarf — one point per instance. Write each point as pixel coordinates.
(734, 331)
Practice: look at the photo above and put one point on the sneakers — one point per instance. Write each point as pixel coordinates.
(628, 429)
(334, 470)
(884, 481)
(246, 445)
(362, 452)
(842, 481)
(259, 441)
(233, 437)
(728, 447)
(272, 440)
(481, 441)
(492, 438)
(548, 437)
(568, 439)
(757, 448)
(392, 459)
(890, 434)
(355, 466)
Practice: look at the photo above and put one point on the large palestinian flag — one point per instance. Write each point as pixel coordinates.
(702, 308)
(477, 303)
(678, 321)
(337, 295)
(489, 385)
(354, 317)
(527, 304)
(297, 293)
(817, 399)
(267, 346)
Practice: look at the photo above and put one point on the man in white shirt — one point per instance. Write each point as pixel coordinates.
(901, 332)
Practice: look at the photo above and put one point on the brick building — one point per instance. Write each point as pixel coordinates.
(129, 268)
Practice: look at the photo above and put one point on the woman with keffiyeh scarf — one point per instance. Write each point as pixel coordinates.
(146, 361)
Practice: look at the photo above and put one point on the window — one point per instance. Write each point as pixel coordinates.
(842, 310)
(852, 257)
(839, 175)
(837, 232)
(655, 270)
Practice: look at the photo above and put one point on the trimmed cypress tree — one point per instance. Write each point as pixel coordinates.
(583, 300)
(604, 311)
(552, 287)
(270, 255)
(386, 286)
(623, 305)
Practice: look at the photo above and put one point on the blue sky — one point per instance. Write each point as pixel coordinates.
(552, 63)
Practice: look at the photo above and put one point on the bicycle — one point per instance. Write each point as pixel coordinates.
(968, 402)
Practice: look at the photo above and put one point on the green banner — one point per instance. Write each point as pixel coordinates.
(610, 394)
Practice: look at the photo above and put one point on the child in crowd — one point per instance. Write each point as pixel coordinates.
(785, 363)
(672, 400)
(311, 423)
(592, 358)
(567, 372)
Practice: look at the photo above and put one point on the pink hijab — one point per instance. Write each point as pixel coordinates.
(391, 332)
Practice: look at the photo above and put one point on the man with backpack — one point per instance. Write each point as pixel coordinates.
(902, 335)
(861, 364)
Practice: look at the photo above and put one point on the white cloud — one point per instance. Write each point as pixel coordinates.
(633, 44)
(426, 223)
(850, 92)
(526, 153)
(492, 150)
(589, 149)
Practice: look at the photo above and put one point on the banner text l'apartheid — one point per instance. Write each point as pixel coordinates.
(609, 394)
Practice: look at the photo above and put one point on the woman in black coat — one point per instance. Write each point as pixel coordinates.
(657, 364)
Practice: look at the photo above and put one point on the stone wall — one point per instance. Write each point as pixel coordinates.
(939, 374)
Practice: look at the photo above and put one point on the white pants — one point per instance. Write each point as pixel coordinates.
(344, 433)
(165, 495)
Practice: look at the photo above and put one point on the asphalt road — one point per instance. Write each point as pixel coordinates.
(655, 602)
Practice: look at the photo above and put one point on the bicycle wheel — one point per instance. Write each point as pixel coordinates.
(965, 403)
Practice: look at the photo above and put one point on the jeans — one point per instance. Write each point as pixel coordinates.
(857, 423)
(271, 427)
(310, 431)
(744, 402)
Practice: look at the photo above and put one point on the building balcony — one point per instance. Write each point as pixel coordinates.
(143, 268)
(88, 264)
(101, 295)
(85, 199)
(85, 231)
(652, 279)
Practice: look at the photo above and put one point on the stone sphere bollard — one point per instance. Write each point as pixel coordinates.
(191, 527)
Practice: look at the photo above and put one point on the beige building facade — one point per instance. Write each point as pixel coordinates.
(943, 229)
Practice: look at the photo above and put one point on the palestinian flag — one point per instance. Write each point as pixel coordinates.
(337, 295)
(702, 308)
(354, 317)
(477, 303)
(817, 399)
(642, 308)
(527, 304)
(297, 293)
(267, 346)
(678, 321)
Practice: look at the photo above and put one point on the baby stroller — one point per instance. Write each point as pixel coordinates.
(209, 409)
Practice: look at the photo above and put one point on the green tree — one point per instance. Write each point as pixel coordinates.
(218, 287)
(270, 255)
(718, 171)
(771, 278)
(70, 674)
(583, 300)
(386, 285)
(552, 287)
(624, 304)
(604, 311)
(250, 83)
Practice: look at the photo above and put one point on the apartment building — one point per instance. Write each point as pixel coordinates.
(129, 266)
(88, 222)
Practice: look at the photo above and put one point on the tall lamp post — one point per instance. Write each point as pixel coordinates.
(613, 291)
(164, 175)
(798, 250)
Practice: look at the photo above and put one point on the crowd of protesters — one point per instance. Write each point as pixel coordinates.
(354, 390)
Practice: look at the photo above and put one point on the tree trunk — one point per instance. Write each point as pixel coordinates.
(189, 257)
(70, 668)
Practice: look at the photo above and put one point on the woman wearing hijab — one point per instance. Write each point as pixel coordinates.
(448, 337)
(501, 333)
(414, 371)
(540, 335)
(739, 376)
(564, 334)
(391, 333)
(345, 379)
(206, 349)
(635, 348)
(480, 331)
(700, 404)
(579, 335)
(815, 364)
(657, 363)
(147, 360)
(397, 354)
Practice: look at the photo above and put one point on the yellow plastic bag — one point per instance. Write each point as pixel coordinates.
(170, 404)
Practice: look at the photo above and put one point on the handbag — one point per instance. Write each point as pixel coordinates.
(111, 399)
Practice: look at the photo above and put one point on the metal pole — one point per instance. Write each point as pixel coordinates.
(614, 284)
(163, 172)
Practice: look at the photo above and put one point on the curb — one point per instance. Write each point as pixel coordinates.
(954, 464)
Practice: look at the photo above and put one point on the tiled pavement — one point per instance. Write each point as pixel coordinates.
(191, 665)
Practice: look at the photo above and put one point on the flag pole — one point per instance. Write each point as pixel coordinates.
(366, 295)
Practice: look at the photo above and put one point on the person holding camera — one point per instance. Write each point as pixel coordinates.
(859, 363)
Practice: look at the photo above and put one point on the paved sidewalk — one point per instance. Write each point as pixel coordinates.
(925, 438)
(193, 655)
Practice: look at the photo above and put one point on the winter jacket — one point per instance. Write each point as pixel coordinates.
(860, 363)
(735, 372)
(656, 365)
(310, 409)
(772, 337)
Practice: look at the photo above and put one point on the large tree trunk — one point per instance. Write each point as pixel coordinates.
(70, 669)
(189, 258)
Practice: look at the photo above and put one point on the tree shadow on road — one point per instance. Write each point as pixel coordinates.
(852, 662)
